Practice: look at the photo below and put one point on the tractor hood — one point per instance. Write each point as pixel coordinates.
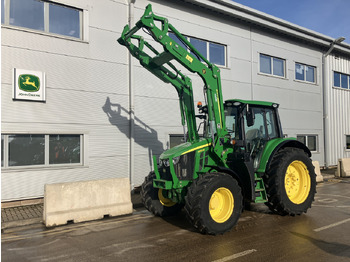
(185, 148)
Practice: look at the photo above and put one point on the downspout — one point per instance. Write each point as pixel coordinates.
(325, 81)
(131, 100)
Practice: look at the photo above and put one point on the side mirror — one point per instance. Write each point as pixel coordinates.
(250, 116)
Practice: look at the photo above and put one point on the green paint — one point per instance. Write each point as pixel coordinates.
(29, 83)
(199, 155)
(268, 150)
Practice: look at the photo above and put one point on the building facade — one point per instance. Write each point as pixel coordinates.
(101, 115)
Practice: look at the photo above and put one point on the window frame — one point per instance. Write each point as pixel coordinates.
(346, 144)
(208, 42)
(304, 80)
(307, 141)
(272, 66)
(340, 80)
(82, 21)
(5, 165)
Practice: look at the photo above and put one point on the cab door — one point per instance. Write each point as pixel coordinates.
(260, 126)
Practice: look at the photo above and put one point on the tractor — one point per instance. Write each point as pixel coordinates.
(241, 155)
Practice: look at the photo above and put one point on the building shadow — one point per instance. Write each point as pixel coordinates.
(144, 135)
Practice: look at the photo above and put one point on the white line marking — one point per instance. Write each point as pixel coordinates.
(130, 248)
(332, 225)
(36, 247)
(330, 206)
(244, 253)
(319, 194)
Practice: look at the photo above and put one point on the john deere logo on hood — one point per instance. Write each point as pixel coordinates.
(29, 83)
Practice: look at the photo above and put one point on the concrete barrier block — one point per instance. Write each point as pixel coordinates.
(319, 177)
(87, 200)
(344, 167)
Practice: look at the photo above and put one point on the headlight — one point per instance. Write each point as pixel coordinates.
(160, 162)
(176, 160)
(166, 162)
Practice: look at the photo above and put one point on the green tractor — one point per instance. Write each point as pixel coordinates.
(242, 155)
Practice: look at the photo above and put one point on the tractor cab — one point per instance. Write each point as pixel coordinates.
(251, 124)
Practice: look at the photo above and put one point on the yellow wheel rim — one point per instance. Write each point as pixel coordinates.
(165, 201)
(297, 182)
(221, 205)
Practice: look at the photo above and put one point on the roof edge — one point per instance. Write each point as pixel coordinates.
(251, 15)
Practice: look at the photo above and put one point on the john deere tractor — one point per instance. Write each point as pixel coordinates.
(241, 155)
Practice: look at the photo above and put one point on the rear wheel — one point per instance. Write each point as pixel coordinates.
(214, 203)
(154, 200)
(290, 182)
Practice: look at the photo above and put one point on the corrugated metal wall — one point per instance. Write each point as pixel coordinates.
(338, 110)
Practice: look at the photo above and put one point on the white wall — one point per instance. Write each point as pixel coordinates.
(82, 76)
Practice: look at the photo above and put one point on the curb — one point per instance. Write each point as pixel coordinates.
(39, 220)
(20, 223)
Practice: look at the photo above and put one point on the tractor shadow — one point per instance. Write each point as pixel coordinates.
(250, 213)
(333, 248)
(144, 135)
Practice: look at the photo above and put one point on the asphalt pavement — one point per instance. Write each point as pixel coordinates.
(33, 214)
(322, 234)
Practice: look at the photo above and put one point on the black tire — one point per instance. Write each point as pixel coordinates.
(290, 182)
(150, 199)
(200, 196)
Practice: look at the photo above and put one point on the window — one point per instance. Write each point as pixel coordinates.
(310, 141)
(40, 150)
(341, 80)
(214, 52)
(25, 150)
(200, 45)
(257, 129)
(42, 16)
(2, 150)
(272, 65)
(176, 140)
(2, 12)
(271, 123)
(264, 126)
(217, 54)
(347, 142)
(64, 20)
(64, 149)
(305, 73)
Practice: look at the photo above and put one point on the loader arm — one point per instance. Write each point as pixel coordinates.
(160, 65)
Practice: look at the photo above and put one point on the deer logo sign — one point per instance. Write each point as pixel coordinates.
(29, 83)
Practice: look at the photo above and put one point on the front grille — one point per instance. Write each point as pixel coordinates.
(185, 167)
(165, 173)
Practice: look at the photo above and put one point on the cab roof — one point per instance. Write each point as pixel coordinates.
(253, 102)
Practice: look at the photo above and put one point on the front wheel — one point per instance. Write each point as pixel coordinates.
(154, 200)
(214, 203)
(290, 182)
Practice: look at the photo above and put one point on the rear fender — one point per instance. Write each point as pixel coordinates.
(273, 146)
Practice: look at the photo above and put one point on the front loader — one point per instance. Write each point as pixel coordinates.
(242, 155)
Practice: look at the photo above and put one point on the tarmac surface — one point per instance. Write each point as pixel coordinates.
(33, 214)
(322, 234)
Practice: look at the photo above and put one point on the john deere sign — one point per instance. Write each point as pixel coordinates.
(29, 85)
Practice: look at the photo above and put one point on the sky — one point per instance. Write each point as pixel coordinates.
(328, 17)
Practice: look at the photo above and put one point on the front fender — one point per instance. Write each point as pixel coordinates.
(273, 146)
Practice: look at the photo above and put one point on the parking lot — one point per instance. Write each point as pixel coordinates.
(320, 235)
